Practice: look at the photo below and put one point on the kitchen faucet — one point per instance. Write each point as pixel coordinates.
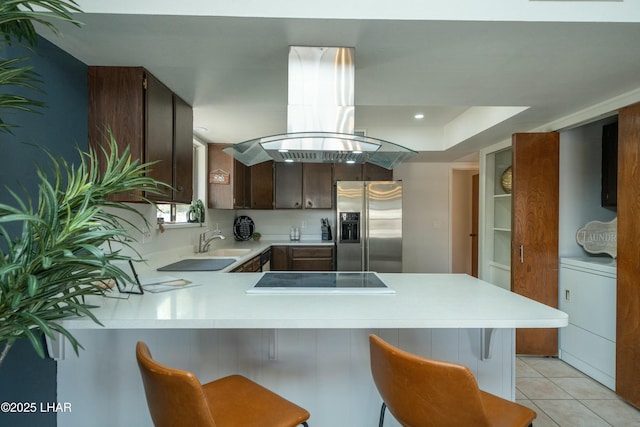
(204, 242)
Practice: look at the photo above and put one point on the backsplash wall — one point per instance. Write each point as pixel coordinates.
(276, 224)
(272, 224)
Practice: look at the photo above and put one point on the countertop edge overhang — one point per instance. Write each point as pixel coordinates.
(431, 301)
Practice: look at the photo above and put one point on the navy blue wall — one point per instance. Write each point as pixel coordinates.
(61, 128)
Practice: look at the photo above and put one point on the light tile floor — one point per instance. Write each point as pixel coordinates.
(562, 396)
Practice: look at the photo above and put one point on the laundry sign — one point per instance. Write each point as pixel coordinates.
(598, 237)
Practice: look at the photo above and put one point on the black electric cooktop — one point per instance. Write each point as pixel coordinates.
(320, 282)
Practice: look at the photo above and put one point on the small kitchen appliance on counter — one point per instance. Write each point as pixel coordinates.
(243, 228)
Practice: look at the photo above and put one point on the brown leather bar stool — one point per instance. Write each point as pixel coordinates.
(422, 392)
(176, 398)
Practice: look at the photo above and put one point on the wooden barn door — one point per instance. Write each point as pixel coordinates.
(534, 228)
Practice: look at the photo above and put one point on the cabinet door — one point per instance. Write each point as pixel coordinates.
(376, 173)
(347, 172)
(241, 185)
(159, 132)
(220, 163)
(183, 151)
(534, 257)
(317, 185)
(116, 102)
(279, 258)
(311, 258)
(251, 266)
(144, 116)
(288, 182)
(262, 186)
(628, 261)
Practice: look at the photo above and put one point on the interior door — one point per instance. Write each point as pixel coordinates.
(534, 223)
(475, 201)
(628, 295)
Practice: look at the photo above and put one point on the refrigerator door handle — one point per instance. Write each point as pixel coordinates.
(365, 228)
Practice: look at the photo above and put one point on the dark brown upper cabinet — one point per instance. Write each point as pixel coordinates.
(182, 150)
(262, 186)
(364, 172)
(233, 185)
(317, 187)
(372, 172)
(347, 172)
(303, 186)
(241, 177)
(143, 114)
(222, 178)
(288, 186)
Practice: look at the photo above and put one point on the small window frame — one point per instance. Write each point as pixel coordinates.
(176, 213)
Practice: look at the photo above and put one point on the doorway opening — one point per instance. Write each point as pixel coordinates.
(464, 220)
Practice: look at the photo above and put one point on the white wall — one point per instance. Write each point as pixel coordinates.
(153, 240)
(425, 234)
(580, 184)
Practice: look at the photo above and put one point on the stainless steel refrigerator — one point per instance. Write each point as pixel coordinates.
(369, 226)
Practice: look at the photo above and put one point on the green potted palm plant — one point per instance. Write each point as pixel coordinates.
(62, 252)
(55, 246)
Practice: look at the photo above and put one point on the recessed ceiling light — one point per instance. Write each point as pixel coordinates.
(419, 116)
(288, 160)
(200, 129)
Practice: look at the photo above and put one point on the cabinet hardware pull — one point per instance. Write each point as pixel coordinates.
(521, 254)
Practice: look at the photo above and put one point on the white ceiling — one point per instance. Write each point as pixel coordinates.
(233, 70)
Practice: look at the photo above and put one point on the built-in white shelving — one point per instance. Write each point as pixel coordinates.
(496, 218)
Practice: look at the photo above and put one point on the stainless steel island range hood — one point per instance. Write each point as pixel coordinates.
(320, 117)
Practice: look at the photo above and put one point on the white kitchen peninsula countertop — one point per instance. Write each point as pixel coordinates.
(421, 301)
(312, 349)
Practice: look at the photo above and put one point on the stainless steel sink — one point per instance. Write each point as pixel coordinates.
(199, 264)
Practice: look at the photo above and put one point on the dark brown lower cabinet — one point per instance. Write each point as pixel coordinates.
(311, 258)
(302, 258)
(279, 258)
(534, 232)
(628, 260)
(251, 266)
